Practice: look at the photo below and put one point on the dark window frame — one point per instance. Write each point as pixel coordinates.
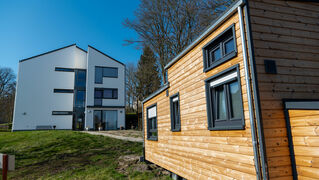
(64, 69)
(104, 67)
(63, 90)
(62, 113)
(219, 42)
(152, 138)
(175, 127)
(102, 97)
(210, 105)
(95, 76)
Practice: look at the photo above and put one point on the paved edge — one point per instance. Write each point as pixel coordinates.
(132, 139)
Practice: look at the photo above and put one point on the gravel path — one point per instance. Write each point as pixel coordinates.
(104, 133)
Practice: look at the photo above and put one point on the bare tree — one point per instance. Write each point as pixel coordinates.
(7, 94)
(168, 26)
(131, 83)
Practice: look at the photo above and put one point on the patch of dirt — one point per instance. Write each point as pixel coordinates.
(127, 133)
(129, 163)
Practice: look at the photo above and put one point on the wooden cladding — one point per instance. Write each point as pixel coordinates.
(286, 32)
(195, 152)
(305, 138)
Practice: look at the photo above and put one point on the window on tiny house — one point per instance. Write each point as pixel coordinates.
(152, 122)
(220, 49)
(175, 113)
(224, 101)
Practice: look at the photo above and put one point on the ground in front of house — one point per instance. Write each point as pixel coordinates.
(75, 155)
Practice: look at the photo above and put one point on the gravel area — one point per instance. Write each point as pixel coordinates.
(126, 135)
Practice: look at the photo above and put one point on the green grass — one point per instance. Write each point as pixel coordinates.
(70, 155)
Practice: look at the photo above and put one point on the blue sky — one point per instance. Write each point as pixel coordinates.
(32, 27)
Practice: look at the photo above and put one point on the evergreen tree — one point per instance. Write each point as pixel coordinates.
(147, 75)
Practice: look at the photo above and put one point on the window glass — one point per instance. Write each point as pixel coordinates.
(115, 93)
(62, 112)
(216, 54)
(110, 72)
(98, 75)
(151, 123)
(80, 99)
(221, 102)
(176, 110)
(98, 94)
(80, 80)
(97, 118)
(98, 102)
(229, 46)
(108, 93)
(224, 103)
(220, 49)
(235, 100)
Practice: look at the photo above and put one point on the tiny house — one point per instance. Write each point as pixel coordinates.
(242, 100)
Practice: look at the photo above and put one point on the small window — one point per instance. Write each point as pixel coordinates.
(62, 112)
(98, 75)
(220, 49)
(110, 72)
(104, 93)
(63, 90)
(175, 113)
(224, 101)
(152, 123)
(64, 69)
(100, 72)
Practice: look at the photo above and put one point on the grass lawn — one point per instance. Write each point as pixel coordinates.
(74, 155)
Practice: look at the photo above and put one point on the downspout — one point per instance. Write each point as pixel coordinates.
(260, 132)
(143, 133)
(249, 97)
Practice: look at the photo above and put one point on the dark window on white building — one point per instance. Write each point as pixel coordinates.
(100, 72)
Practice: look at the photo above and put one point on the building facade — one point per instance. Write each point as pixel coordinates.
(241, 101)
(70, 88)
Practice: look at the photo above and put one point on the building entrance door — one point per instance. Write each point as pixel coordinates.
(110, 118)
(78, 120)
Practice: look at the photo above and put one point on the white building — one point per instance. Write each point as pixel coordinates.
(70, 88)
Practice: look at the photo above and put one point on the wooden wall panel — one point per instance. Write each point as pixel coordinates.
(305, 134)
(196, 152)
(287, 32)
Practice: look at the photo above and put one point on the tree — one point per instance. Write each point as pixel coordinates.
(147, 78)
(147, 75)
(7, 94)
(131, 83)
(168, 26)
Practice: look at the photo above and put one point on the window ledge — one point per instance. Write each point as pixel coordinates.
(222, 60)
(241, 127)
(176, 130)
(152, 139)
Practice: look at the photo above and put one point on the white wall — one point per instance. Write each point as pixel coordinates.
(96, 58)
(36, 80)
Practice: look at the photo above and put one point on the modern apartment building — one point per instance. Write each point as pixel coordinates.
(70, 88)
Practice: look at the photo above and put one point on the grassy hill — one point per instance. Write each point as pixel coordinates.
(74, 155)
